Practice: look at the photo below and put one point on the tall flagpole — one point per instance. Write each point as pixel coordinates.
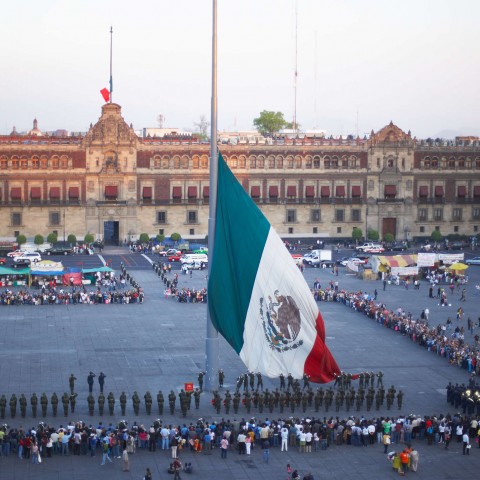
(111, 51)
(211, 344)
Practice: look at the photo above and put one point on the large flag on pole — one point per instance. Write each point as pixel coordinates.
(258, 299)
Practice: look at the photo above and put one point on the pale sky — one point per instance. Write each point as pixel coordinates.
(415, 62)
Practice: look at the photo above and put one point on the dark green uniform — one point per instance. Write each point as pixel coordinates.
(66, 403)
(236, 402)
(73, 401)
(399, 399)
(148, 403)
(101, 403)
(44, 404)
(171, 401)
(136, 403)
(227, 402)
(111, 403)
(91, 403)
(196, 396)
(23, 405)
(3, 406)
(161, 400)
(54, 402)
(200, 380)
(71, 382)
(13, 405)
(123, 402)
(34, 404)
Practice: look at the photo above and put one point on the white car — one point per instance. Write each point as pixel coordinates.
(25, 257)
(370, 247)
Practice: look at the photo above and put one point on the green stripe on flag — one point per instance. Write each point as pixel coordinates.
(241, 231)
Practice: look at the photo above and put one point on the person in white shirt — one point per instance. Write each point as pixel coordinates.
(466, 444)
(284, 434)
(308, 442)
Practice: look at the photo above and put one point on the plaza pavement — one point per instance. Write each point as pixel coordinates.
(160, 345)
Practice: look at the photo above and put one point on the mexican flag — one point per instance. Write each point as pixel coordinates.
(257, 297)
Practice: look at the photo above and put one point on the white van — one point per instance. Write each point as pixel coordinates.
(194, 258)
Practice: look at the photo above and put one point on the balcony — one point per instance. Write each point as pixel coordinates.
(390, 200)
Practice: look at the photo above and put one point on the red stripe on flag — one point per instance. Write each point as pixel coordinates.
(320, 365)
(105, 94)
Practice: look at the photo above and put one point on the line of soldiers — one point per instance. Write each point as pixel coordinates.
(466, 397)
(69, 403)
(365, 379)
(247, 380)
(307, 398)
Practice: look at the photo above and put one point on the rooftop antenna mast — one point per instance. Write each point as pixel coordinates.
(296, 71)
(111, 51)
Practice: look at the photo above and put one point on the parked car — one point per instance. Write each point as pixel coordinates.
(175, 258)
(457, 245)
(395, 247)
(473, 261)
(16, 253)
(170, 251)
(59, 250)
(3, 260)
(32, 257)
(354, 260)
(370, 247)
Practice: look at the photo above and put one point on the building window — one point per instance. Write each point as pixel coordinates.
(16, 233)
(475, 228)
(423, 214)
(291, 216)
(54, 218)
(290, 229)
(437, 228)
(356, 215)
(438, 214)
(161, 217)
(476, 213)
(457, 214)
(192, 231)
(339, 229)
(16, 219)
(422, 229)
(315, 215)
(192, 216)
(161, 231)
(339, 215)
(315, 230)
(455, 229)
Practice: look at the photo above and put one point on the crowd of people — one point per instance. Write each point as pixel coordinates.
(445, 340)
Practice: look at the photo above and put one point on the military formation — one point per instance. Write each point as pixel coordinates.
(291, 395)
(464, 397)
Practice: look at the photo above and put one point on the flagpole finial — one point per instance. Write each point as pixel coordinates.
(111, 51)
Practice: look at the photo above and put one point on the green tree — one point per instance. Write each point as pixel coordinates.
(357, 234)
(144, 238)
(436, 236)
(269, 122)
(160, 238)
(52, 238)
(176, 237)
(38, 240)
(72, 239)
(388, 238)
(373, 235)
(21, 239)
(88, 238)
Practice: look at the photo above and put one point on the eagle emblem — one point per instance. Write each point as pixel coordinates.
(281, 321)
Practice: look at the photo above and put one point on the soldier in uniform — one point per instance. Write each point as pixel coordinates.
(66, 403)
(221, 378)
(251, 377)
(255, 398)
(34, 403)
(276, 396)
(351, 394)
(91, 403)
(289, 381)
(306, 381)
(123, 402)
(328, 399)
(196, 397)
(101, 403)
(44, 404)
(148, 403)
(101, 381)
(54, 402)
(23, 405)
(338, 400)
(281, 401)
(248, 401)
(73, 402)
(227, 402)
(161, 401)
(3, 406)
(399, 399)
(367, 379)
(239, 382)
(282, 381)
(171, 402)
(317, 400)
(184, 403)
(200, 380)
(261, 400)
(361, 379)
(136, 403)
(372, 379)
(245, 382)
(378, 400)
(259, 381)
(380, 379)
(360, 398)
(90, 378)
(236, 402)
(13, 405)
(370, 397)
(111, 403)
(71, 382)
(304, 402)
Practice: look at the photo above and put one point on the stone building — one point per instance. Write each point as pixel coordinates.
(115, 185)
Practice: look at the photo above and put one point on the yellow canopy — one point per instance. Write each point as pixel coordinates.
(458, 266)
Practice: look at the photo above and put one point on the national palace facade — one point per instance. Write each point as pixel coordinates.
(115, 185)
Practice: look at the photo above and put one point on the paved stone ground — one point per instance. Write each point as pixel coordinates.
(160, 345)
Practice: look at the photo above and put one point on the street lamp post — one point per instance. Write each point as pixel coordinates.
(366, 222)
(64, 228)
